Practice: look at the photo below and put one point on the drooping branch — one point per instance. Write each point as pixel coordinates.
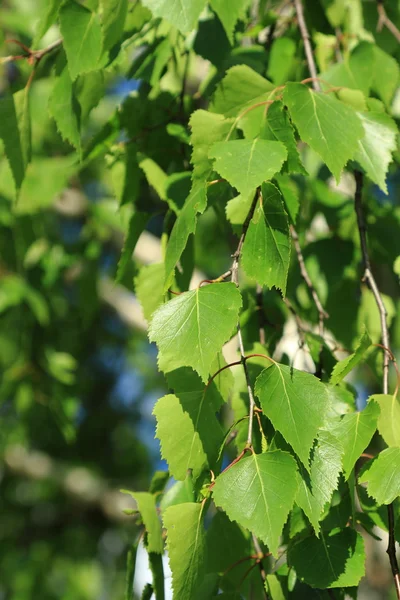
(235, 280)
(307, 45)
(384, 21)
(369, 279)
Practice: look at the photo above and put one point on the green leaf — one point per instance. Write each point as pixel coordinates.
(281, 129)
(332, 561)
(9, 133)
(184, 226)
(230, 13)
(207, 128)
(186, 543)
(146, 504)
(21, 99)
(64, 109)
(180, 13)
(328, 126)
(281, 60)
(389, 418)
(290, 193)
(354, 72)
(241, 88)
(315, 489)
(149, 287)
(376, 148)
(191, 329)
(355, 432)
(383, 476)
(266, 248)
(187, 426)
(126, 176)
(258, 492)
(82, 37)
(296, 404)
(386, 75)
(343, 367)
(155, 176)
(113, 21)
(247, 163)
(274, 588)
(136, 226)
(46, 20)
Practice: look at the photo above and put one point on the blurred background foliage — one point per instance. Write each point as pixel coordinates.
(78, 379)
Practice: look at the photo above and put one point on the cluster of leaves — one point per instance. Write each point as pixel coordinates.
(263, 153)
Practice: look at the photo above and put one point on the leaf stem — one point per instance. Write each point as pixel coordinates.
(369, 278)
(384, 21)
(307, 45)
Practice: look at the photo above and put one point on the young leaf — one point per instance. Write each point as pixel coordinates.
(179, 13)
(383, 476)
(354, 72)
(21, 100)
(149, 288)
(241, 88)
(46, 19)
(355, 432)
(64, 109)
(186, 543)
(207, 128)
(82, 37)
(191, 329)
(247, 163)
(328, 126)
(343, 367)
(389, 418)
(315, 489)
(146, 504)
(332, 561)
(184, 225)
(229, 13)
(258, 492)
(385, 75)
(278, 127)
(296, 404)
(113, 20)
(266, 249)
(136, 226)
(375, 149)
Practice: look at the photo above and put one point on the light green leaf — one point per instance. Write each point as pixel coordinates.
(290, 193)
(179, 13)
(274, 588)
(258, 492)
(332, 561)
(266, 249)
(281, 129)
(9, 133)
(149, 287)
(355, 432)
(113, 21)
(185, 225)
(376, 148)
(247, 163)
(315, 489)
(64, 109)
(21, 99)
(386, 75)
(230, 13)
(187, 551)
(46, 19)
(82, 36)
(389, 418)
(296, 404)
(241, 88)
(383, 476)
(155, 175)
(238, 208)
(89, 90)
(136, 226)
(281, 60)
(207, 128)
(354, 72)
(191, 329)
(126, 176)
(146, 504)
(328, 126)
(343, 367)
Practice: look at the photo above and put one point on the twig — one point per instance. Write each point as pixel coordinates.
(384, 21)
(261, 314)
(307, 45)
(235, 280)
(369, 278)
(32, 56)
(261, 555)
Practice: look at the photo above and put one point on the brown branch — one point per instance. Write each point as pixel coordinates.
(369, 278)
(307, 45)
(384, 21)
(235, 280)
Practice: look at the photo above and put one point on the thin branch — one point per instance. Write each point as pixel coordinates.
(235, 280)
(369, 278)
(261, 555)
(307, 45)
(384, 21)
(261, 314)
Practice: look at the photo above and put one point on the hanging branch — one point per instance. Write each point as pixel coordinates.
(307, 45)
(369, 279)
(384, 21)
(235, 280)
